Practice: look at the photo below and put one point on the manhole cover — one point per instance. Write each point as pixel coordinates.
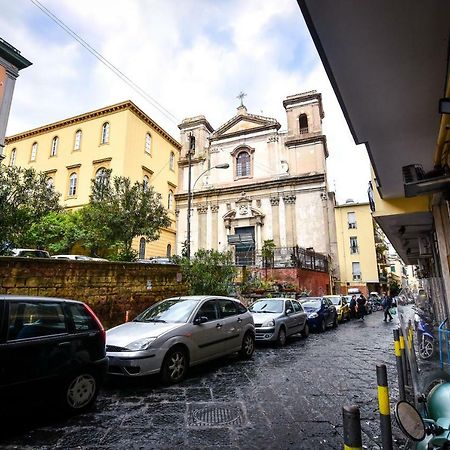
(216, 415)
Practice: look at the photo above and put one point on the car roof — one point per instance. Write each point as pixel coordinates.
(18, 298)
(273, 298)
(199, 298)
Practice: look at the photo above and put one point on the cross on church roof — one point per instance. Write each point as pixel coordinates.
(241, 97)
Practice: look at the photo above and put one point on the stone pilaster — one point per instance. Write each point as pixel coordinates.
(289, 205)
(214, 226)
(202, 225)
(275, 202)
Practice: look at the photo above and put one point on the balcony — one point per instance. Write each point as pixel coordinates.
(354, 249)
(357, 277)
(352, 225)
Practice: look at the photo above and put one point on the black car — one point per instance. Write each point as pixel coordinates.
(50, 348)
(321, 313)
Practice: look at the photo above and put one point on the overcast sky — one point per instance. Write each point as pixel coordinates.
(192, 56)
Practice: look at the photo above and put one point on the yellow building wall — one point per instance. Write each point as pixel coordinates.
(366, 243)
(124, 153)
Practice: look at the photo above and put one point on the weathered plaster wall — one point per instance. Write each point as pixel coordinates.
(109, 288)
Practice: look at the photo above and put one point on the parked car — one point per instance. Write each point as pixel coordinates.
(278, 318)
(29, 253)
(321, 313)
(177, 333)
(73, 257)
(341, 305)
(155, 261)
(50, 347)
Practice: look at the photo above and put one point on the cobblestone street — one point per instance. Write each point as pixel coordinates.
(284, 398)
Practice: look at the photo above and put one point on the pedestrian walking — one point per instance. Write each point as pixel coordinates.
(386, 303)
(361, 302)
(352, 306)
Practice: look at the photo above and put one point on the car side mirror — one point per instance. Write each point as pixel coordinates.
(409, 420)
(200, 320)
(289, 311)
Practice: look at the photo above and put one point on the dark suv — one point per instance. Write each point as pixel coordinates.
(52, 348)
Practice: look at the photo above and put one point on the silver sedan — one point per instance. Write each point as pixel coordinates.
(177, 333)
(278, 318)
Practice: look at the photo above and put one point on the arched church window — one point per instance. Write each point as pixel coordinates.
(303, 122)
(243, 164)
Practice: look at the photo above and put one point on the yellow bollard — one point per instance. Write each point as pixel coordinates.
(384, 407)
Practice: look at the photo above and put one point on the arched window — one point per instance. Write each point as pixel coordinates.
(34, 149)
(172, 161)
(303, 123)
(146, 182)
(142, 248)
(169, 251)
(105, 133)
(77, 142)
(170, 200)
(12, 157)
(50, 183)
(54, 149)
(72, 184)
(101, 175)
(148, 143)
(243, 164)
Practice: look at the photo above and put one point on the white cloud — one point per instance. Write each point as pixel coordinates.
(192, 56)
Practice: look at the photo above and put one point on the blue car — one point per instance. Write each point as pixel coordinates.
(321, 313)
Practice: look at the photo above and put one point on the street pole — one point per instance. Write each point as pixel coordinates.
(188, 237)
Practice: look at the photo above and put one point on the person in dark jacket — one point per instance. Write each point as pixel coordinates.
(386, 303)
(352, 306)
(361, 301)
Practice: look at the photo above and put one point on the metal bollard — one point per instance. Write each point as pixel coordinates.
(403, 355)
(352, 428)
(398, 359)
(383, 405)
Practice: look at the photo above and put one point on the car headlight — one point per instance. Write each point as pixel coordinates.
(313, 315)
(269, 323)
(141, 344)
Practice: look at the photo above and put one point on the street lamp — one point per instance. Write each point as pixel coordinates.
(190, 194)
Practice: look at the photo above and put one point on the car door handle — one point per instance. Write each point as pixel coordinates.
(64, 344)
(219, 325)
(239, 320)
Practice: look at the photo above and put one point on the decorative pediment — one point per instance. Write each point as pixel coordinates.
(245, 124)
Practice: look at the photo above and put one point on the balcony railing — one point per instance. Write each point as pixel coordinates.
(357, 277)
(352, 225)
(354, 249)
(284, 257)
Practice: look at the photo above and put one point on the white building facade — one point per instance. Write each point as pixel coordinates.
(274, 188)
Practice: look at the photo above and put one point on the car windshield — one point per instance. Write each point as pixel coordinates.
(172, 310)
(267, 306)
(335, 300)
(311, 304)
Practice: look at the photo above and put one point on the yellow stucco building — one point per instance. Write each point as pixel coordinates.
(356, 247)
(120, 137)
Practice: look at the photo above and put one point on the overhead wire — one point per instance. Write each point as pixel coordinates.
(107, 63)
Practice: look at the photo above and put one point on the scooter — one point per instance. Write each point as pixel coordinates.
(433, 432)
(425, 337)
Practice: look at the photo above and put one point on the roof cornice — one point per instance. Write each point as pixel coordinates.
(122, 106)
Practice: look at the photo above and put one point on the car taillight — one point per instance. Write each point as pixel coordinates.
(97, 320)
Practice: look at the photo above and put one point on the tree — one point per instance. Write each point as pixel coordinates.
(119, 211)
(24, 198)
(209, 272)
(57, 232)
(267, 252)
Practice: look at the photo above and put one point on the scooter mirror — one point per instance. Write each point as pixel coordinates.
(409, 420)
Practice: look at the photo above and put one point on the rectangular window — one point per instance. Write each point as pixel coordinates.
(351, 219)
(356, 271)
(393, 269)
(82, 319)
(29, 319)
(353, 245)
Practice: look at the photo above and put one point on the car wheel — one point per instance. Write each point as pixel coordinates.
(80, 392)
(335, 322)
(175, 366)
(305, 331)
(282, 338)
(248, 346)
(322, 326)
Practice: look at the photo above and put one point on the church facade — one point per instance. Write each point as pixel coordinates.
(274, 187)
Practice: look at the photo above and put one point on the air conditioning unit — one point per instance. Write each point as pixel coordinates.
(424, 247)
(417, 182)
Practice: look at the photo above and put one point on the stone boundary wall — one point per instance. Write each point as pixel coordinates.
(109, 288)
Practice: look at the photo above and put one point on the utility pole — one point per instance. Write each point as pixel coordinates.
(190, 153)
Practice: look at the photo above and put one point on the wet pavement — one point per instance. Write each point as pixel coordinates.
(284, 398)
